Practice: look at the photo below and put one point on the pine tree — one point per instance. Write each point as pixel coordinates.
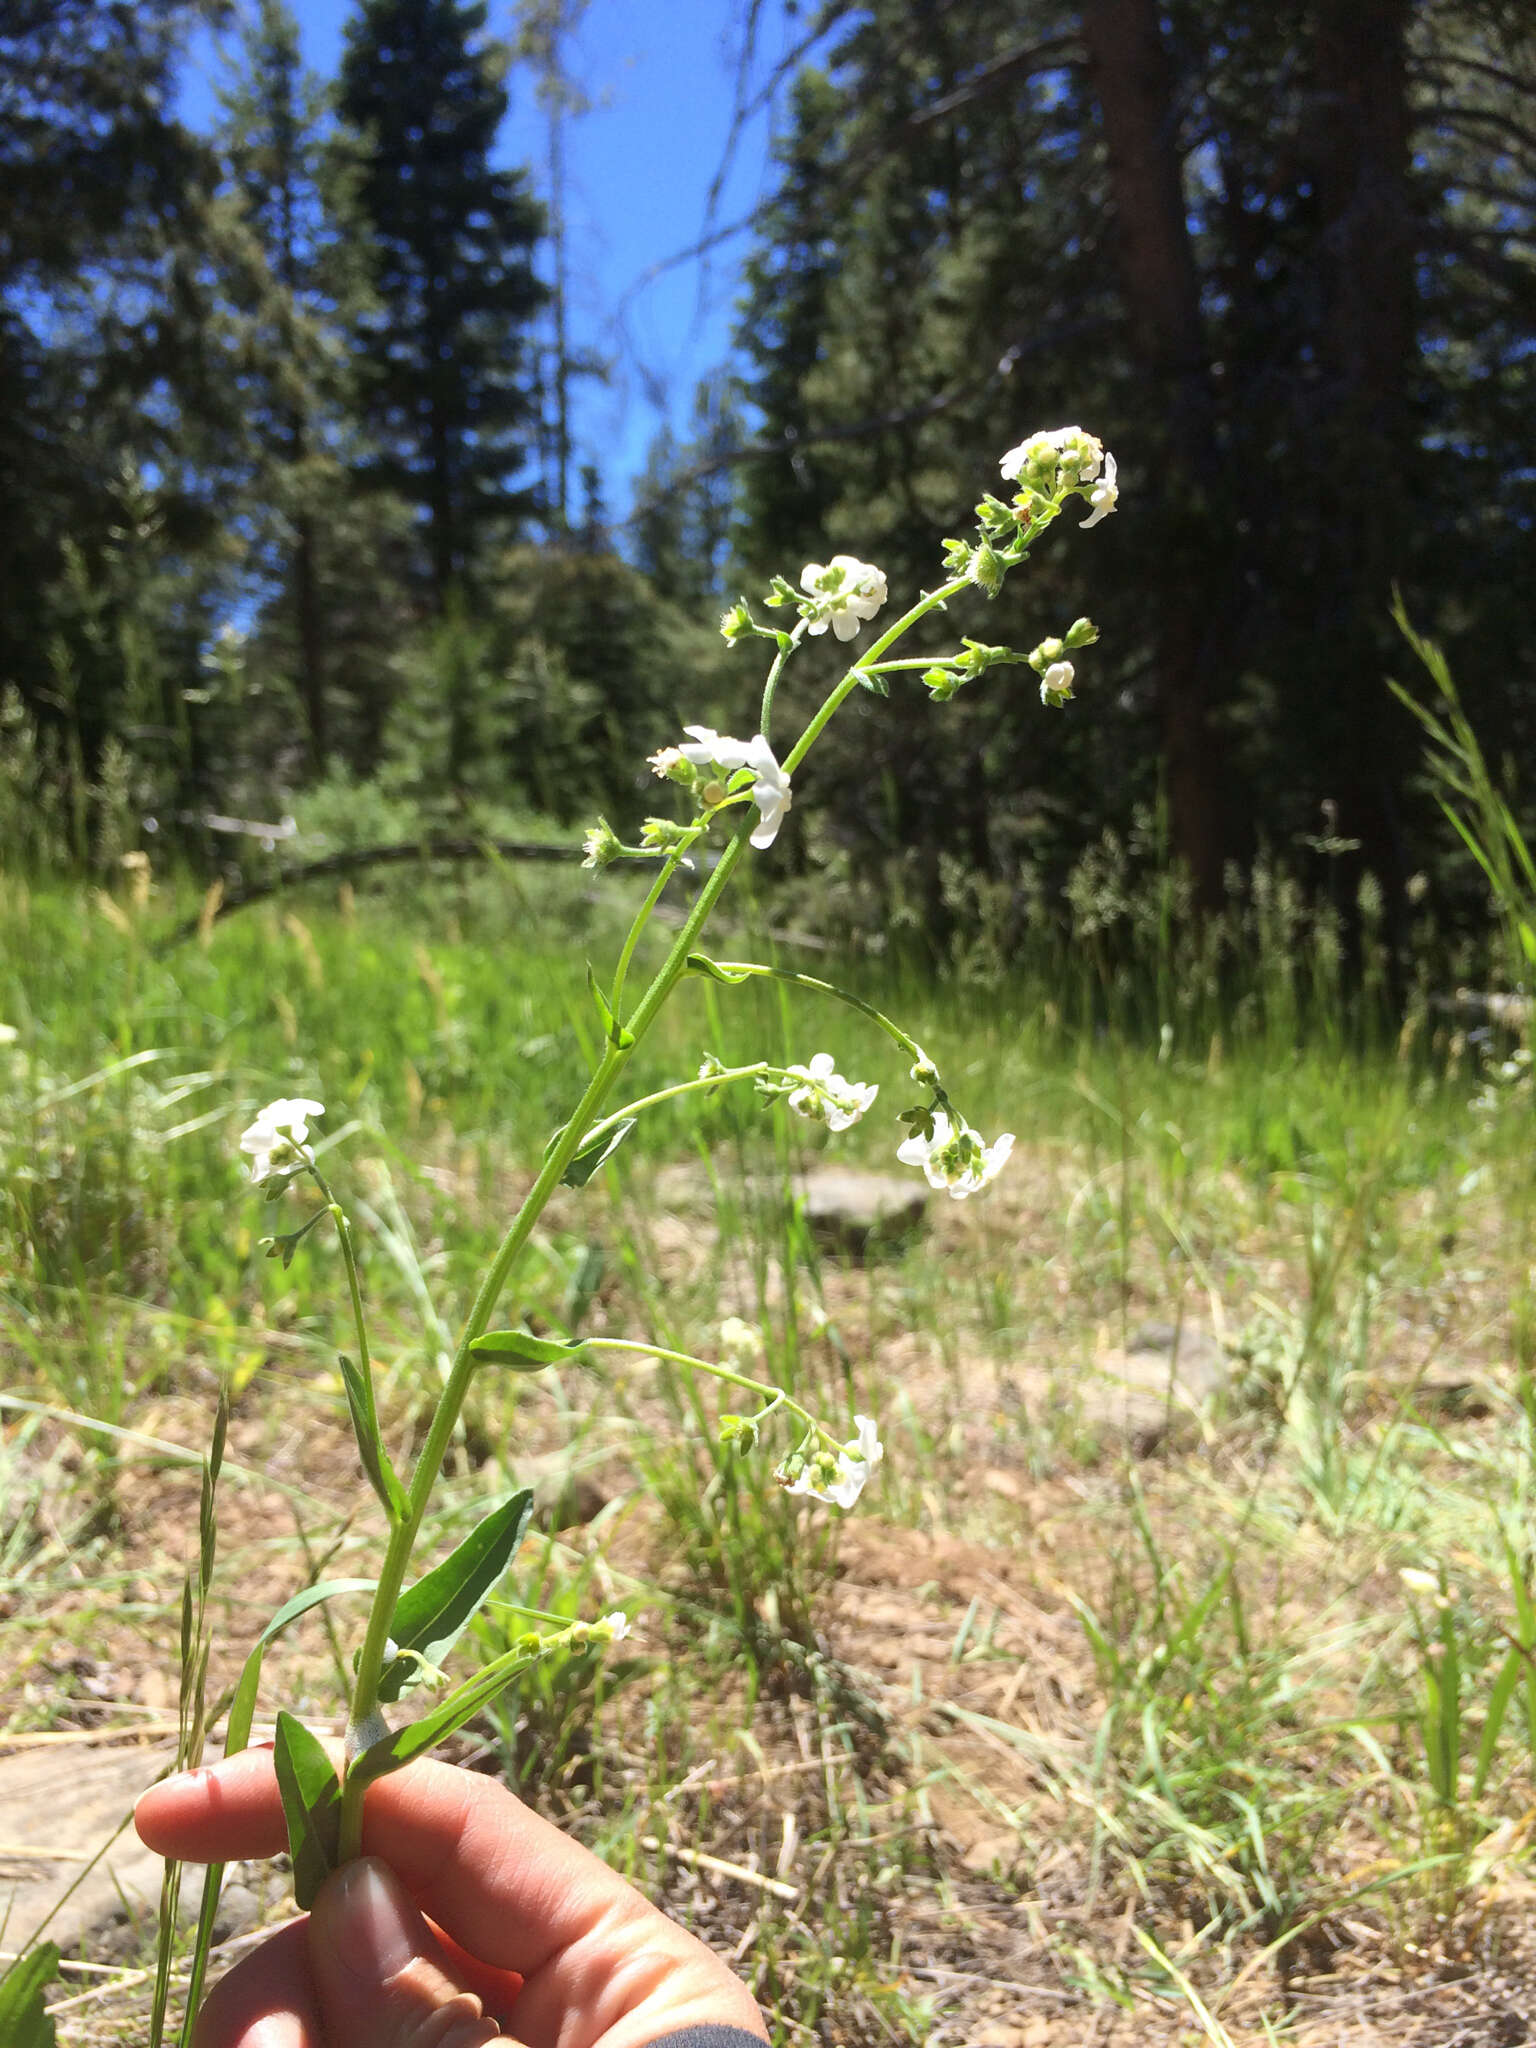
(443, 363)
(1280, 259)
(101, 336)
(330, 558)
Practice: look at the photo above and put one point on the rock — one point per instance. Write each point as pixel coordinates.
(861, 1215)
(1163, 1383)
(58, 1806)
(240, 1909)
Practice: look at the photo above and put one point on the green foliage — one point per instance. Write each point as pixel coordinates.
(952, 257)
(444, 364)
(431, 1616)
(23, 1992)
(311, 1793)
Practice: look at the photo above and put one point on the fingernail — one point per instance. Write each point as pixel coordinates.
(374, 1922)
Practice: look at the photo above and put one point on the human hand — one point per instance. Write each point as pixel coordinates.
(460, 1892)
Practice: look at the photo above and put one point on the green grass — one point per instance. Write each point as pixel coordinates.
(1226, 1725)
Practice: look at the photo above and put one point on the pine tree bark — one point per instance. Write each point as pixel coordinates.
(1132, 78)
(1361, 153)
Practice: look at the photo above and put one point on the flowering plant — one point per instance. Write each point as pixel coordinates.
(744, 789)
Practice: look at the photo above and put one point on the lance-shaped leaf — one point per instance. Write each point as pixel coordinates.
(417, 1737)
(242, 1705)
(23, 1993)
(430, 1616)
(597, 1152)
(242, 1712)
(370, 1445)
(617, 1033)
(524, 1352)
(311, 1793)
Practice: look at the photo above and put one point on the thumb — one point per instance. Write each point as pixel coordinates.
(381, 1974)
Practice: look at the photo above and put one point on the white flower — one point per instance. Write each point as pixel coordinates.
(826, 1097)
(770, 785)
(1418, 1581)
(277, 1139)
(1104, 496)
(1056, 683)
(617, 1625)
(847, 592)
(1080, 454)
(840, 1481)
(955, 1158)
(664, 762)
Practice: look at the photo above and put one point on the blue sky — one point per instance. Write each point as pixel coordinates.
(661, 75)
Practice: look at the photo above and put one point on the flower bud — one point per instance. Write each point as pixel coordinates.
(601, 845)
(738, 1433)
(1082, 633)
(736, 624)
(1056, 684)
(988, 569)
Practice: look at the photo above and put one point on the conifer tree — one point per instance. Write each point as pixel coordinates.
(330, 556)
(444, 361)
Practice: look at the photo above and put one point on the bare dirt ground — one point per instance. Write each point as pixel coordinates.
(916, 1772)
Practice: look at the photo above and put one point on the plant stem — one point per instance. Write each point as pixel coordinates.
(354, 1284)
(699, 1083)
(827, 988)
(642, 919)
(402, 1539)
(776, 1396)
(797, 633)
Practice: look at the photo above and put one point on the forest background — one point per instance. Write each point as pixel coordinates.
(295, 502)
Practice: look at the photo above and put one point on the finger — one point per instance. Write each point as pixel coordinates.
(266, 2001)
(382, 1977)
(506, 1885)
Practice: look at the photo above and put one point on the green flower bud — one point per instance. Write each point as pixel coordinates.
(602, 845)
(988, 569)
(736, 624)
(1082, 633)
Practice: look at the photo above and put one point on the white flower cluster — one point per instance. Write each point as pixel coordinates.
(955, 1158)
(839, 1478)
(1070, 456)
(708, 749)
(278, 1141)
(844, 592)
(826, 1097)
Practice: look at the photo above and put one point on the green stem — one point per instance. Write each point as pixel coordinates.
(930, 601)
(796, 635)
(402, 1540)
(354, 1284)
(776, 1396)
(827, 988)
(642, 919)
(701, 1081)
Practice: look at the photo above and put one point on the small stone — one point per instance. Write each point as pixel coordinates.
(240, 1909)
(859, 1214)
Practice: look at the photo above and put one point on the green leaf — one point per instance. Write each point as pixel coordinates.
(524, 1352)
(430, 1616)
(23, 1993)
(370, 1446)
(242, 1706)
(700, 963)
(619, 1034)
(597, 1152)
(401, 1747)
(311, 1806)
(876, 684)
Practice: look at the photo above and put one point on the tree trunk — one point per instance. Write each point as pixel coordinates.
(1361, 155)
(1131, 76)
